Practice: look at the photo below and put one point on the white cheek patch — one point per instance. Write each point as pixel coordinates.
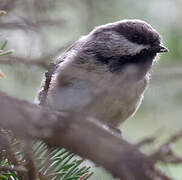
(130, 48)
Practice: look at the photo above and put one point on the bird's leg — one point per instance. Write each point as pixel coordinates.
(115, 130)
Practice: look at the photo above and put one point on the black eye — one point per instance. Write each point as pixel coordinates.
(137, 38)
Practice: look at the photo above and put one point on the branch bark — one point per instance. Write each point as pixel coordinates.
(84, 136)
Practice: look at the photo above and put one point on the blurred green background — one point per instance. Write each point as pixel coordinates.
(41, 29)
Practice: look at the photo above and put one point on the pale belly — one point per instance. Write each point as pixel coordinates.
(112, 106)
(115, 107)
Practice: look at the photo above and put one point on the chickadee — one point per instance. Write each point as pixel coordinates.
(104, 73)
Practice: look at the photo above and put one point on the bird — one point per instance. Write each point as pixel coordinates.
(103, 74)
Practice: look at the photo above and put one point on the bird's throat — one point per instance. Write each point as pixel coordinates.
(117, 63)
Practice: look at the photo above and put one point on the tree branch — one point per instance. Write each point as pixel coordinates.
(84, 136)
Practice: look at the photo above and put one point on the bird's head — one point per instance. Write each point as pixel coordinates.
(123, 42)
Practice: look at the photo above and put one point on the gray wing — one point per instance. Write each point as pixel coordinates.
(45, 84)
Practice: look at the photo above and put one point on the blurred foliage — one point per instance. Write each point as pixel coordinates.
(175, 44)
(60, 164)
(7, 175)
(4, 52)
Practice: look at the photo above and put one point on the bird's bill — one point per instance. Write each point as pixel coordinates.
(158, 49)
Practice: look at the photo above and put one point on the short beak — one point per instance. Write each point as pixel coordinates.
(158, 49)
